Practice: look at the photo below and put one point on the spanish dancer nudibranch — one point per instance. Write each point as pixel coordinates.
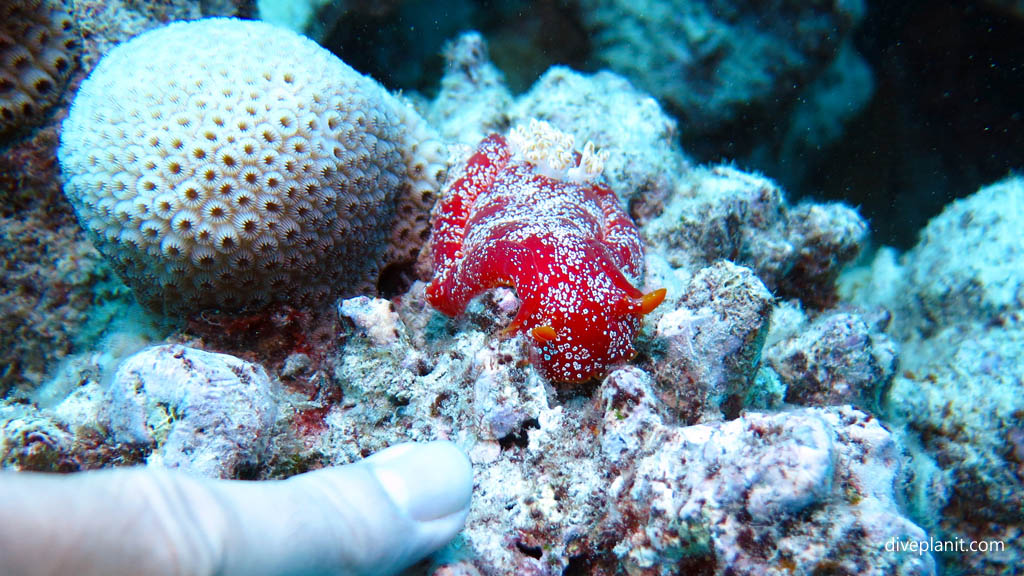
(529, 213)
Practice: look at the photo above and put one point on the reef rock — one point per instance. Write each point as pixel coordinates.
(717, 62)
(720, 212)
(712, 343)
(967, 265)
(209, 414)
(801, 492)
(838, 358)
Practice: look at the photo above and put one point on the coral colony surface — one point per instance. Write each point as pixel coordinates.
(229, 253)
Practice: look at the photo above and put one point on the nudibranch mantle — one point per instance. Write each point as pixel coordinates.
(530, 213)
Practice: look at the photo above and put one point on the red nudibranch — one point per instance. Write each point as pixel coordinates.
(535, 221)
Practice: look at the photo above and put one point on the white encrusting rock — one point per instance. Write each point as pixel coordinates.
(209, 414)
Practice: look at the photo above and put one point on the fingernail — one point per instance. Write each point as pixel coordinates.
(427, 481)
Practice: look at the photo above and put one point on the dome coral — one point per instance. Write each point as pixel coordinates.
(37, 53)
(226, 164)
